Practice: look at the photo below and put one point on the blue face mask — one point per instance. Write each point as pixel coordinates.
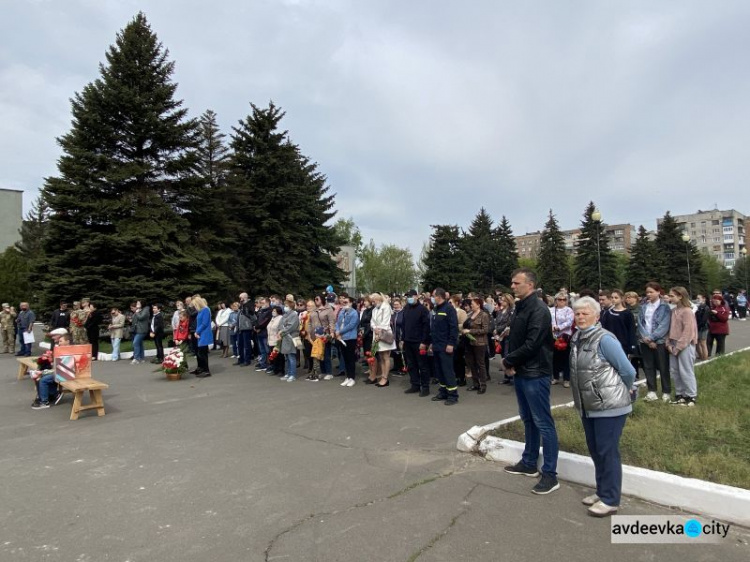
(432, 300)
(287, 309)
(411, 300)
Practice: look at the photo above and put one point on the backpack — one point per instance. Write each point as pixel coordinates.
(246, 320)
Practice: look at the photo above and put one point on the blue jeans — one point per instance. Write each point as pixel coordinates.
(139, 353)
(534, 409)
(263, 351)
(291, 364)
(326, 367)
(245, 352)
(445, 375)
(116, 349)
(233, 344)
(47, 387)
(603, 440)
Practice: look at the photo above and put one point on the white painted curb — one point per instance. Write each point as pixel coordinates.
(727, 503)
(108, 357)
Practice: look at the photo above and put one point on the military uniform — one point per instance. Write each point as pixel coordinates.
(77, 322)
(7, 323)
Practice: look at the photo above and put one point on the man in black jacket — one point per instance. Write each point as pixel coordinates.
(91, 325)
(529, 359)
(261, 329)
(443, 338)
(157, 332)
(246, 321)
(60, 317)
(415, 333)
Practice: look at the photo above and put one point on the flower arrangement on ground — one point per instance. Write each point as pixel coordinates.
(174, 364)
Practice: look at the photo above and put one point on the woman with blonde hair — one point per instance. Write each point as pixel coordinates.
(203, 335)
(383, 334)
(683, 335)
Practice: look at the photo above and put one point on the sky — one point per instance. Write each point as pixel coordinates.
(421, 112)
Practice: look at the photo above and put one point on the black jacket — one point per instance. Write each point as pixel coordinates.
(264, 317)
(444, 328)
(60, 319)
(365, 320)
(530, 340)
(415, 324)
(92, 322)
(192, 318)
(158, 320)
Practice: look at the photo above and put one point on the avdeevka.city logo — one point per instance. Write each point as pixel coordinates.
(664, 529)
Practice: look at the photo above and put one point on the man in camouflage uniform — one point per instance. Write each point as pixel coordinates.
(7, 323)
(77, 322)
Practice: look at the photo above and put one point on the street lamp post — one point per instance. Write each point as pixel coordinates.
(744, 265)
(596, 216)
(686, 239)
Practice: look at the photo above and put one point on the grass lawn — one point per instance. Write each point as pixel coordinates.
(127, 345)
(710, 441)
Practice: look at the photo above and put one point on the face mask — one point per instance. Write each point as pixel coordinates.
(411, 300)
(287, 309)
(432, 300)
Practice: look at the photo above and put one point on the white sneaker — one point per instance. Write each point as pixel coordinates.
(666, 398)
(590, 500)
(650, 397)
(345, 383)
(328, 378)
(134, 362)
(285, 377)
(350, 382)
(601, 509)
(291, 379)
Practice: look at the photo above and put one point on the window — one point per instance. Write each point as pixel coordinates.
(728, 255)
(729, 264)
(717, 238)
(716, 231)
(619, 232)
(715, 223)
(717, 248)
(703, 238)
(692, 225)
(728, 229)
(729, 238)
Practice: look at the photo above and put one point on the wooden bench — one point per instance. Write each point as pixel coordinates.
(81, 381)
(25, 363)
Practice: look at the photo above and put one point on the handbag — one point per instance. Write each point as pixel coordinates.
(561, 342)
(298, 342)
(386, 336)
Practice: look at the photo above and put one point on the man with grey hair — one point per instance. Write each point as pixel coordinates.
(25, 321)
(529, 360)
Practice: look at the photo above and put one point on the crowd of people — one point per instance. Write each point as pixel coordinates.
(595, 343)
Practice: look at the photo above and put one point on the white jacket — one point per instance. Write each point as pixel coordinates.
(381, 319)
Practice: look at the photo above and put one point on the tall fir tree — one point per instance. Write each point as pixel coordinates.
(644, 265)
(210, 217)
(554, 266)
(282, 208)
(681, 261)
(507, 253)
(33, 233)
(480, 245)
(116, 231)
(596, 264)
(445, 264)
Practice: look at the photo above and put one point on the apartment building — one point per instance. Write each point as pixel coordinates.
(720, 233)
(11, 216)
(619, 236)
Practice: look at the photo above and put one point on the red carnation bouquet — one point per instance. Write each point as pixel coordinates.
(174, 362)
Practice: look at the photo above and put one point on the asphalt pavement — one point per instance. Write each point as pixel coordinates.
(242, 466)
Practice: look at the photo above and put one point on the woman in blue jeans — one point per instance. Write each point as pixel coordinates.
(601, 377)
(140, 325)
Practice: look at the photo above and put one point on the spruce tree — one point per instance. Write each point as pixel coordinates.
(596, 265)
(445, 264)
(673, 253)
(282, 208)
(480, 244)
(117, 230)
(644, 265)
(553, 268)
(507, 253)
(33, 234)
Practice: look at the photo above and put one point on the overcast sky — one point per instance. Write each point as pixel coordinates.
(420, 112)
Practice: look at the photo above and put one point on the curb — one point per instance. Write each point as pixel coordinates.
(108, 356)
(727, 503)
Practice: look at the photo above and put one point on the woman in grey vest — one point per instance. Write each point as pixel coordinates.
(601, 377)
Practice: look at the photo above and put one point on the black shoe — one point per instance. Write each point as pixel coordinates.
(40, 405)
(370, 381)
(203, 375)
(451, 402)
(472, 388)
(58, 398)
(341, 374)
(482, 389)
(439, 398)
(546, 485)
(520, 468)
(387, 383)
(462, 383)
(424, 392)
(412, 390)
(507, 381)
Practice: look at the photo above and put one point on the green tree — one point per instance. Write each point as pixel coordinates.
(31, 245)
(388, 269)
(349, 233)
(740, 273)
(14, 278)
(445, 264)
(116, 231)
(483, 253)
(596, 265)
(507, 253)
(282, 207)
(553, 262)
(717, 276)
(644, 264)
(681, 261)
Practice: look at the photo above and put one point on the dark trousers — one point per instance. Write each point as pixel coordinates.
(202, 358)
(93, 338)
(348, 353)
(536, 415)
(720, 340)
(193, 344)
(158, 343)
(326, 368)
(475, 355)
(459, 363)
(307, 352)
(398, 360)
(654, 359)
(419, 375)
(603, 441)
(448, 388)
(561, 363)
(245, 352)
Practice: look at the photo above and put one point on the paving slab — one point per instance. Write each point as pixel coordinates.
(242, 466)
